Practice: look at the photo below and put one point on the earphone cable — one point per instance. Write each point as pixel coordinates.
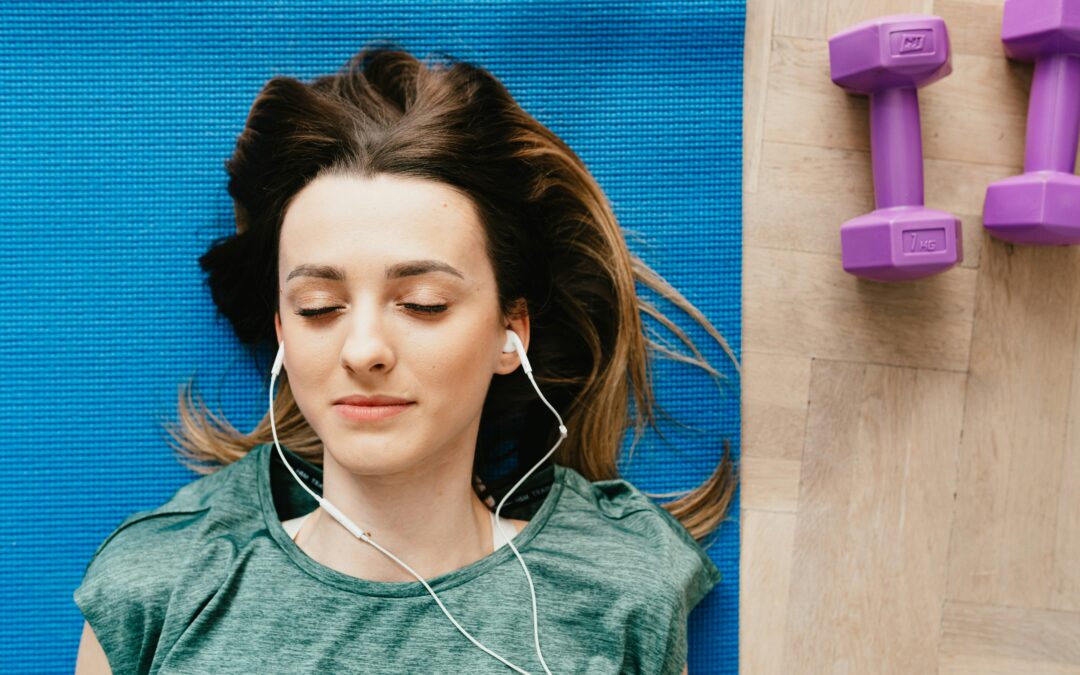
(348, 524)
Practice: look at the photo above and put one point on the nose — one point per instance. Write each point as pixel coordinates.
(368, 346)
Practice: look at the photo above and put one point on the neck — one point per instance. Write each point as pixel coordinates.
(430, 518)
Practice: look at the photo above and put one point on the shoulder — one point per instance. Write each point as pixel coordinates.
(128, 583)
(162, 532)
(649, 563)
(647, 530)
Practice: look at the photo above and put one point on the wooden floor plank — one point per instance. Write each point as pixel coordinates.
(1015, 423)
(775, 390)
(805, 304)
(1014, 635)
(759, 19)
(765, 564)
(871, 536)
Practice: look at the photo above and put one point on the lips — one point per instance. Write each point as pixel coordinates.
(370, 408)
(378, 400)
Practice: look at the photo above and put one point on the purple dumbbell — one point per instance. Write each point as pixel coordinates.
(1042, 206)
(888, 58)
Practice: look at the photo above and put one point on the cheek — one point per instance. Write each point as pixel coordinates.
(309, 363)
(310, 353)
(459, 360)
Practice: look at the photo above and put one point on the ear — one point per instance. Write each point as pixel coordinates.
(277, 325)
(517, 321)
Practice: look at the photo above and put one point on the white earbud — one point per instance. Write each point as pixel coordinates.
(513, 342)
(280, 359)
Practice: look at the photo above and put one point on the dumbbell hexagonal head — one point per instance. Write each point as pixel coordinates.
(901, 243)
(1041, 208)
(902, 50)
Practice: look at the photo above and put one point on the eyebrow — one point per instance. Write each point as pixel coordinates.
(409, 268)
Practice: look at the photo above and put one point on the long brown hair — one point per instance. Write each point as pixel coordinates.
(551, 236)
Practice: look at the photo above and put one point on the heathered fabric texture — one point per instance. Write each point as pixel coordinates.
(210, 582)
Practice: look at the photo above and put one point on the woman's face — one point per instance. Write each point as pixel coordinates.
(402, 302)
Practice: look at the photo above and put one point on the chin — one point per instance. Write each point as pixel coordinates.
(372, 458)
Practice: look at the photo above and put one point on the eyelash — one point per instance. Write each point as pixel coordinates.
(321, 311)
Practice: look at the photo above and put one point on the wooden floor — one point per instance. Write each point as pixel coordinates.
(911, 452)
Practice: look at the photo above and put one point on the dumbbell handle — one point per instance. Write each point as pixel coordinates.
(896, 147)
(1053, 122)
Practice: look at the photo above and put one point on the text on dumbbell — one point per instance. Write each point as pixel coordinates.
(909, 42)
(924, 241)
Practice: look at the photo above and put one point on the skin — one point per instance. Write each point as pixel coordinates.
(91, 659)
(407, 479)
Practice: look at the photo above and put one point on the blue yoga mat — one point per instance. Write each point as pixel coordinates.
(115, 121)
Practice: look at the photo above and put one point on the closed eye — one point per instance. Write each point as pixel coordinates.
(310, 313)
(427, 309)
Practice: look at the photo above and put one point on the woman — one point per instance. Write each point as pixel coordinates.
(394, 221)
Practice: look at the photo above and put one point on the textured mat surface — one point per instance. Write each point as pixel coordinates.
(115, 119)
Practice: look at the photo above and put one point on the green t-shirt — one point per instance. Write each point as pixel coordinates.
(210, 582)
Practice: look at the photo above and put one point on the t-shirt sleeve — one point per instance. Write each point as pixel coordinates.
(664, 575)
(124, 594)
(687, 575)
(694, 571)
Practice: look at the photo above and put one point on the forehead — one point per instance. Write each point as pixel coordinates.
(364, 224)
